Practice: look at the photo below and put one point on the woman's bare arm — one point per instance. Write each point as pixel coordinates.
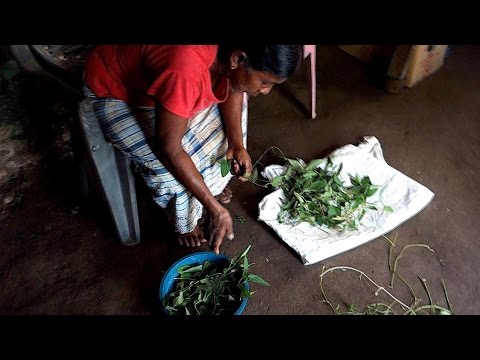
(231, 110)
(170, 130)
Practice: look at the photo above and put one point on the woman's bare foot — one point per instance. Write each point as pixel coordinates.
(226, 196)
(194, 238)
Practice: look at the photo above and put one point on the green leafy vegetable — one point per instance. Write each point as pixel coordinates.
(319, 196)
(211, 289)
(225, 166)
(316, 193)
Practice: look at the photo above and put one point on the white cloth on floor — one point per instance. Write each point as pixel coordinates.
(406, 196)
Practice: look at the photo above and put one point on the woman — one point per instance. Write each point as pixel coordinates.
(177, 110)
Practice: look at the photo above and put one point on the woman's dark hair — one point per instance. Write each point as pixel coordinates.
(280, 60)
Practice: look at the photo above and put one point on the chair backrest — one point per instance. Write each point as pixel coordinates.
(308, 50)
(311, 50)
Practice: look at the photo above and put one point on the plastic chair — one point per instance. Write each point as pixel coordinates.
(115, 176)
(311, 50)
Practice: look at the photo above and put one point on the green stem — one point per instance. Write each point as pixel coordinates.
(400, 255)
(446, 295)
(415, 300)
(436, 307)
(194, 282)
(265, 152)
(391, 245)
(390, 266)
(424, 283)
(369, 279)
(335, 311)
(375, 308)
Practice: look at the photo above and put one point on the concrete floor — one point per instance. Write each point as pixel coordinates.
(60, 254)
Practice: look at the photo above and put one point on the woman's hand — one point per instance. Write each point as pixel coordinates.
(221, 227)
(241, 161)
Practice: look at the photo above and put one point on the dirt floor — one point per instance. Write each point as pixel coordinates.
(60, 255)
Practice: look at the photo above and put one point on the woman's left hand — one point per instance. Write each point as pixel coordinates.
(241, 161)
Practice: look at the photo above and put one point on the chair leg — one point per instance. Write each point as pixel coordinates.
(79, 157)
(115, 175)
(313, 87)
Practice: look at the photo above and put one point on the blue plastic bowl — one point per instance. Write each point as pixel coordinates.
(168, 280)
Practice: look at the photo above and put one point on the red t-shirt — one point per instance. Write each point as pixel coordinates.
(176, 76)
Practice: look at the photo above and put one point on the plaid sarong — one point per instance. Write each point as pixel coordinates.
(132, 130)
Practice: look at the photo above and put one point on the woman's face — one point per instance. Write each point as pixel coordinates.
(252, 82)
